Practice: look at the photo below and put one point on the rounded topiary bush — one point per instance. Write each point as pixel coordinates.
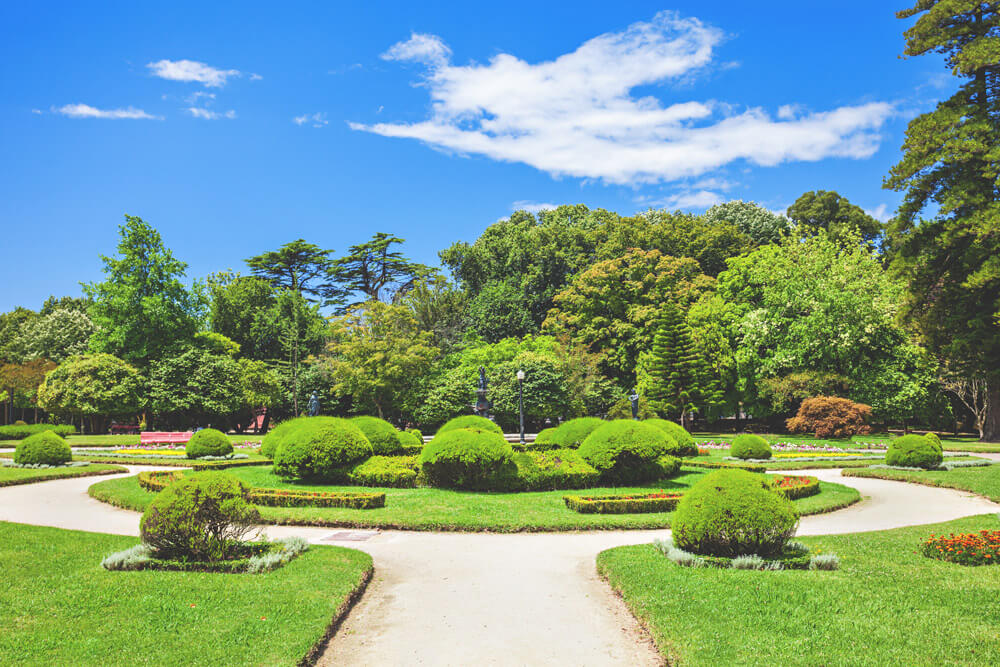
(468, 458)
(470, 421)
(201, 517)
(679, 434)
(546, 436)
(914, 451)
(316, 447)
(625, 450)
(733, 513)
(409, 441)
(383, 435)
(935, 440)
(208, 442)
(750, 446)
(269, 443)
(43, 448)
(571, 434)
(416, 432)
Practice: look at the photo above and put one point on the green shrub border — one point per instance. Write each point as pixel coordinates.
(689, 463)
(810, 488)
(622, 504)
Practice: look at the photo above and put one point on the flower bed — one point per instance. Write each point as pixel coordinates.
(257, 558)
(157, 480)
(631, 504)
(796, 486)
(982, 548)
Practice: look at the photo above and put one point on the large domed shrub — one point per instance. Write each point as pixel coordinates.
(316, 447)
(409, 441)
(625, 450)
(383, 435)
(546, 436)
(200, 517)
(831, 417)
(914, 451)
(470, 421)
(270, 442)
(42, 448)
(468, 458)
(571, 434)
(935, 440)
(750, 446)
(733, 513)
(685, 443)
(208, 442)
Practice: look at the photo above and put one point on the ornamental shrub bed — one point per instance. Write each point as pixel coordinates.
(383, 435)
(571, 434)
(257, 558)
(626, 451)
(318, 446)
(715, 465)
(44, 447)
(685, 442)
(208, 442)
(409, 443)
(270, 442)
(794, 556)
(625, 504)
(914, 451)
(22, 431)
(794, 487)
(470, 421)
(982, 548)
(392, 471)
(468, 458)
(750, 446)
(553, 469)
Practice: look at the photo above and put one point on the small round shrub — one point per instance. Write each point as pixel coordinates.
(208, 442)
(20, 422)
(416, 432)
(470, 421)
(468, 458)
(546, 436)
(201, 517)
(733, 513)
(571, 434)
(270, 442)
(685, 443)
(409, 441)
(624, 450)
(935, 440)
(914, 451)
(318, 446)
(45, 448)
(383, 435)
(750, 446)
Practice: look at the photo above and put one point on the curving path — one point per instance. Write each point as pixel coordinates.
(467, 598)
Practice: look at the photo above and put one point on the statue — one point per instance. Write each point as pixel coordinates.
(313, 405)
(482, 380)
(482, 406)
(634, 399)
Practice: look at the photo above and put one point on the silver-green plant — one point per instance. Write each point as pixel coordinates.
(824, 562)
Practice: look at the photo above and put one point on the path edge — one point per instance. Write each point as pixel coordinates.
(319, 648)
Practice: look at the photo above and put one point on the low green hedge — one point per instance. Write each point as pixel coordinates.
(409, 443)
(393, 471)
(571, 434)
(914, 451)
(626, 451)
(552, 470)
(751, 467)
(794, 487)
(632, 504)
(468, 458)
(22, 431)
(685, 442)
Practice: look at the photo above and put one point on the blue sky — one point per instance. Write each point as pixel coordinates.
(235, 128)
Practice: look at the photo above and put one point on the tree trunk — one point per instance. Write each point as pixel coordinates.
(991, 425)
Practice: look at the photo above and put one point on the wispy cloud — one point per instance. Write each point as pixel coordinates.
(531, 206)
(87, 111)
(316, 119)
(36, 111)
(880, 213)
(255, 77)
(208, 114)
(684, 200)
(192, 71)
(576, 115)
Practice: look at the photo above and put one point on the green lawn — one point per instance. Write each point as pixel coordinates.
(176, 461)
(122, 440)
(983, 481)
(950, 443)
(59, 607)
(11, 476)
(887, 605)
(442, 509)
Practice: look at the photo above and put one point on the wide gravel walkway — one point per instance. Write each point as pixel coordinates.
(493, 599)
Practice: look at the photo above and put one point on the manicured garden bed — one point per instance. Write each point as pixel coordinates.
(10, 476)
(445, 509)
(880, 441)
(59, 607)
(855, 615)
(984, 481)
(254, 459)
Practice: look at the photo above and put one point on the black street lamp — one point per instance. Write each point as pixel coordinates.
(520, 400)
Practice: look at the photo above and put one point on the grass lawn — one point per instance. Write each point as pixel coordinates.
(122, 440)
(58, 606)
(177, 461)
(719, 455)
(10, 476)
(949, 443)
(983, 481)
(887, 605)
(442, 509)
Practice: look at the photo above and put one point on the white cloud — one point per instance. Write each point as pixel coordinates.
(576, 115)
(880, 213)
(255, 77)
(191, 70)
(200, 95)
(36, 111)
(87, 111)
(316, 119)
(208, 114)
(687, 199)
(532, 206)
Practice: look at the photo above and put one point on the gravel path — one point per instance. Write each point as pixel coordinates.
(493, 599)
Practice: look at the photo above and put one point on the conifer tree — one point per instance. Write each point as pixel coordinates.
(681, 381)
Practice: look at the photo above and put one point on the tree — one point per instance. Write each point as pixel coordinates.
(242, 309)
(141, 310)
(56, 335)
(500, 310)
(828, 211)
(974, 394)
(679, 378)
(11, 324)
(301, 267)
(79, 304)
(546, 392)
(757, 222)
(92, 387)
(950, 161)
(261, 387)
(439, 306)
(20, 382)
(195, 387)
(301, 332)
(374, 270)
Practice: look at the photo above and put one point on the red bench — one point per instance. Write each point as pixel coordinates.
(164, 437)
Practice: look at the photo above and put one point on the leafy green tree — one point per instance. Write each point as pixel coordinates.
(758, 223)
(261, 387)
(142, 310)
(20, 383)
(440, 307)
(57, 335)
(195, 388)
(834, 214)
(375, 270)
(500, 310)
(950, 162)
(81, 305)
(301, 332)
(242, 308)
(546, 392)
(301, 267)
(91, 387)
(11, 324)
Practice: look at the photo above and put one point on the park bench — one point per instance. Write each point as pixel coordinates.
(123, 429)
(164, 437)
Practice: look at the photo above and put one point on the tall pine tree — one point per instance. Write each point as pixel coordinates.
(680, 379)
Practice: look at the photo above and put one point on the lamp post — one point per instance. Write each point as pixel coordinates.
(520, 400)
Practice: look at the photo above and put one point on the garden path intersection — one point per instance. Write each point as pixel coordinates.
(479, 598)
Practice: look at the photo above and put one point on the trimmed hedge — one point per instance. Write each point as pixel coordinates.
(383, 435)
(716, 465)
(409, 443)
(794, 487)
(750, 446)
(733, 513)
(685, 442)
(22, 431)
(394, 471)
(571, 434)
(631, 504)
(470, 421)
(545, 437)
(318, 447)
(935, 440)
(272, 440)
(468, 458)
(44, 447)
(626, 451)
(914, 451)
(552, 470)
(208, 442)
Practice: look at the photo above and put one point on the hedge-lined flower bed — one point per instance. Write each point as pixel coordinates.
(257, 559)
(632, 504)
(158, 480)
(982, 548)
(796, 486)
(691, 463)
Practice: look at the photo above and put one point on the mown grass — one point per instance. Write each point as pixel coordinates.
(984, 481)
(11, 476)
(443, 509)
(58, 606)
(123, 440)
(887, 605)
(949, 443)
